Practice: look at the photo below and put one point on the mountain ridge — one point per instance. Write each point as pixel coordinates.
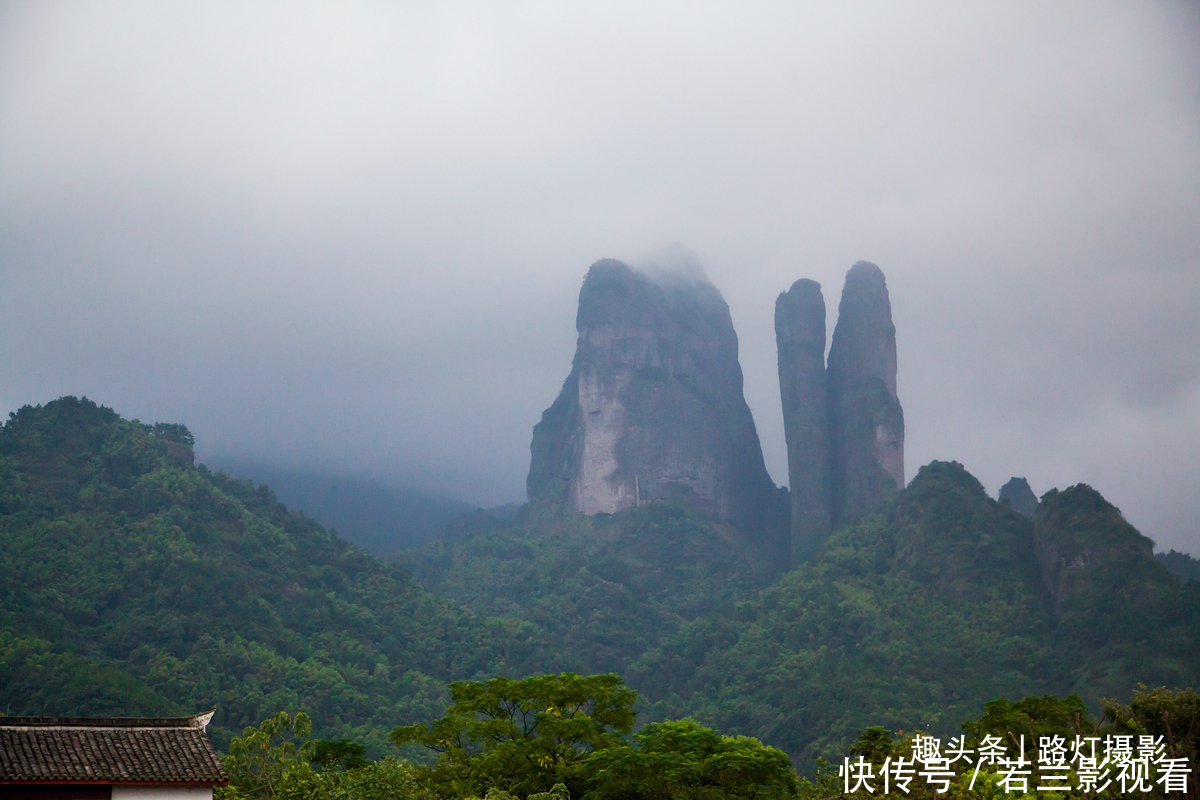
(130, 582)
(204, 590)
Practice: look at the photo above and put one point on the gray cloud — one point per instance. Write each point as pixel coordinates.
(351, 237)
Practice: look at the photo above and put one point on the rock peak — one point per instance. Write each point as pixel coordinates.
(864, 341)
(843, 420)
(653, 407)
(800, 338)
(1017, 495)
(865, 417)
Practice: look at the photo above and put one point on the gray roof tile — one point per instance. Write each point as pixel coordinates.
(121, 750)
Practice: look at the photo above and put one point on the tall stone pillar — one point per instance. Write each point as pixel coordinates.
(800, 339)
(866, 420)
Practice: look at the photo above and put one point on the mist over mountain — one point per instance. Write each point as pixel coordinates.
(1017, 495)
(348, 371)
(379, 518)
(1181, 565)
(652, 546)
(315, 244)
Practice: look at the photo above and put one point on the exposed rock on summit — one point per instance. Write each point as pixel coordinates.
(653, 408)
(865, 418)
(800, 337)
(1017, 495)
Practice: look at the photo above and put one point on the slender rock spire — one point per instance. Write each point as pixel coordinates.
(866, 420)
(800, 338)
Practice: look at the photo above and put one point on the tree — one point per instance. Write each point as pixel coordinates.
(385, 779)
(259, 758)
(1173, 715)
(523, 736)
(682, 760)
(174, 432)
(876, 744)
(341, 754)
(1032, 717)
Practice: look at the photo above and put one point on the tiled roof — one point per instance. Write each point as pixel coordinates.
(65, 749)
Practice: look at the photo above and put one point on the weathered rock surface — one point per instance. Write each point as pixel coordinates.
(800, 338)
(1017, 495)
(653, 408)
(866, 420)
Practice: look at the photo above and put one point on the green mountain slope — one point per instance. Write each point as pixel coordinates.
(918, 616)
(592, 593)
(181, 589)
(134, 583)
(1119, 611)
(914, 617)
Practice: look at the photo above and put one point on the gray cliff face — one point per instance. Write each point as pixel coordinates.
(800, 337)
(866, 420)
(1017, 495)
(653, 408)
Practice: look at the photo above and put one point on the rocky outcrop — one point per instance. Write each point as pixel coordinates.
(800, 337)
(1017, 495)
(1115, 606)
(843, 422)
(1088, 551)
(653, 408)
(865, 417)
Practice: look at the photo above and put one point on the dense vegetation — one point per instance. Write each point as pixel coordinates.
(554, 737)
(914, 617)
(548, 737)
(594, 593)
(134, 583)
(131, 583)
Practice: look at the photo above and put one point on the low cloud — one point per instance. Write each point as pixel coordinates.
(351, 238)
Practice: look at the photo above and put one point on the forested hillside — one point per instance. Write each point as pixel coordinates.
(132, 583)
(915, 617)
(595, 592)
(1182, 565)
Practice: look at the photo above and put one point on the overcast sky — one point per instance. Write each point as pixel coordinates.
(350, 237)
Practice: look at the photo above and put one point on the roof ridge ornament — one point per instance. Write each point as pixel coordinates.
(201, 720)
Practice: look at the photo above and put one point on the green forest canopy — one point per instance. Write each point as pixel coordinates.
(554, 737)
(131, 582)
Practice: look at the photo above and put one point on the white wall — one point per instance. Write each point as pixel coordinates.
(162, 793)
